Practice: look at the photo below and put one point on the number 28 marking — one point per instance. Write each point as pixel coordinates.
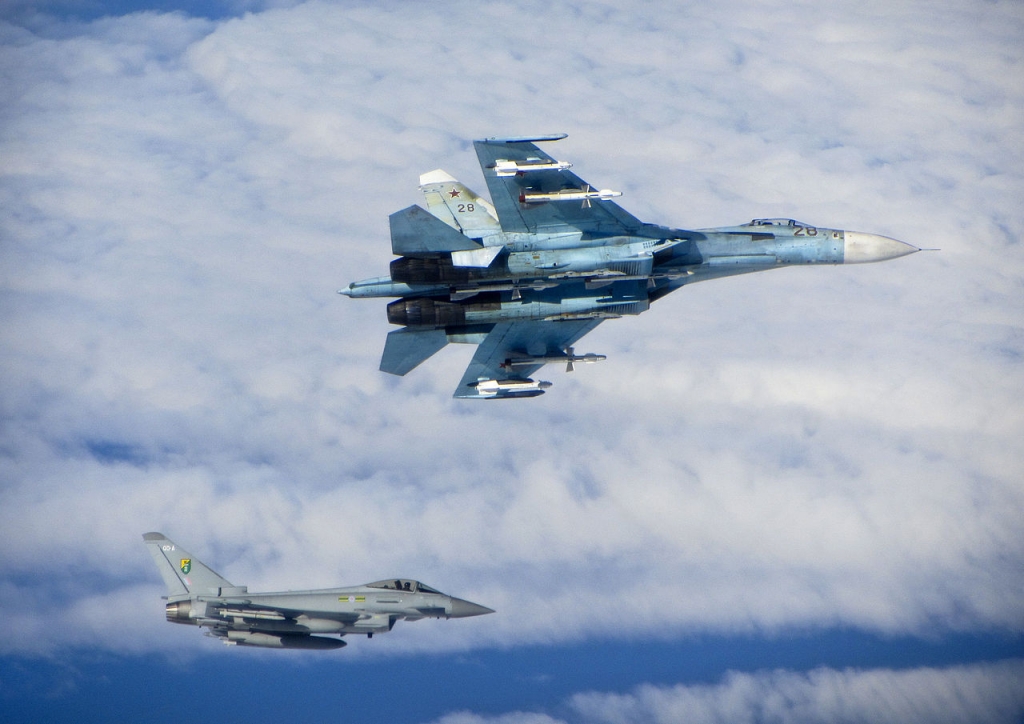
(805, 231)
(463, 208)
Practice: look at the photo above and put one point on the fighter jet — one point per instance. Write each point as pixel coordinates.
(198, 596)
(525, 277)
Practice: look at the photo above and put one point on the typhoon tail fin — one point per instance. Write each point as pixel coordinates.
(449, 200)
(182, 573)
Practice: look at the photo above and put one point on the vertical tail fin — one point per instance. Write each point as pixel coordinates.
(449, 200)
(182, 573)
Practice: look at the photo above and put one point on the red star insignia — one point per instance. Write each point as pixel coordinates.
(455, 193)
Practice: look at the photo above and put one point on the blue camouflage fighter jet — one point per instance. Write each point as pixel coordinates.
(528, 274)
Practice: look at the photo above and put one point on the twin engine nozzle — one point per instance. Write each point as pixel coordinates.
(179, 612)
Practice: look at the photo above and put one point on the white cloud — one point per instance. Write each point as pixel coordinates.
(806, 448)
(984, 693)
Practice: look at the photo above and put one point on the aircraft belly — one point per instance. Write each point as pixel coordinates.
(608, 300)
(740, 260)
(529, 310)
(574, 308)
(706, 272)
(622, 259)
(825, 247)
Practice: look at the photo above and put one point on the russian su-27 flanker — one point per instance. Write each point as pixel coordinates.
(526, 276)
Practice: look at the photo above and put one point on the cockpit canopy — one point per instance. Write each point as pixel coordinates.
(777, 222)
(403, 584)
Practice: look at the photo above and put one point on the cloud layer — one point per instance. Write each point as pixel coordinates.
(809, 448)
(986, 693)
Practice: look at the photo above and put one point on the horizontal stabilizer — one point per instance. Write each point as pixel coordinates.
(406, 348)
(416, 232)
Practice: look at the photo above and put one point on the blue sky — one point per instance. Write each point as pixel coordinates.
(787, 496)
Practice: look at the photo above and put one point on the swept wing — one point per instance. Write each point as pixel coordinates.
(517, 171)
(509, 341)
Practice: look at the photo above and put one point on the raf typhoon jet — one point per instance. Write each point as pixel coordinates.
(527, 275)
(198, 596)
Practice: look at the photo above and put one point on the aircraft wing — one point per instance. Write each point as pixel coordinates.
(512, 340)
(407, 348)
(508, 191)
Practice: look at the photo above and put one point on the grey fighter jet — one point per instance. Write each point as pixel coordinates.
(198, 596)
(525, 277)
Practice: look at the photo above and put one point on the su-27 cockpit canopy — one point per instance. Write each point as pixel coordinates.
(403, 584)
(777, 222)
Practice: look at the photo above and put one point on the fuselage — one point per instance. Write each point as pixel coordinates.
(369, 609)
(570, 276)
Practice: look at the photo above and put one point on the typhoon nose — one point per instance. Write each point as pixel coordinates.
(463, 609)
(861, 248)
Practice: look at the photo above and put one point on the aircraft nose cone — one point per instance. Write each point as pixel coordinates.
(347, 291)
(464, 609)
(862, 248)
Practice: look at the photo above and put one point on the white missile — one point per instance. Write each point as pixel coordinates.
(570, 358)
(510, 388)
(503, 167)
(585, 195)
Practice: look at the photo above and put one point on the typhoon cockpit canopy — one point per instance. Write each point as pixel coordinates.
(403, 584)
